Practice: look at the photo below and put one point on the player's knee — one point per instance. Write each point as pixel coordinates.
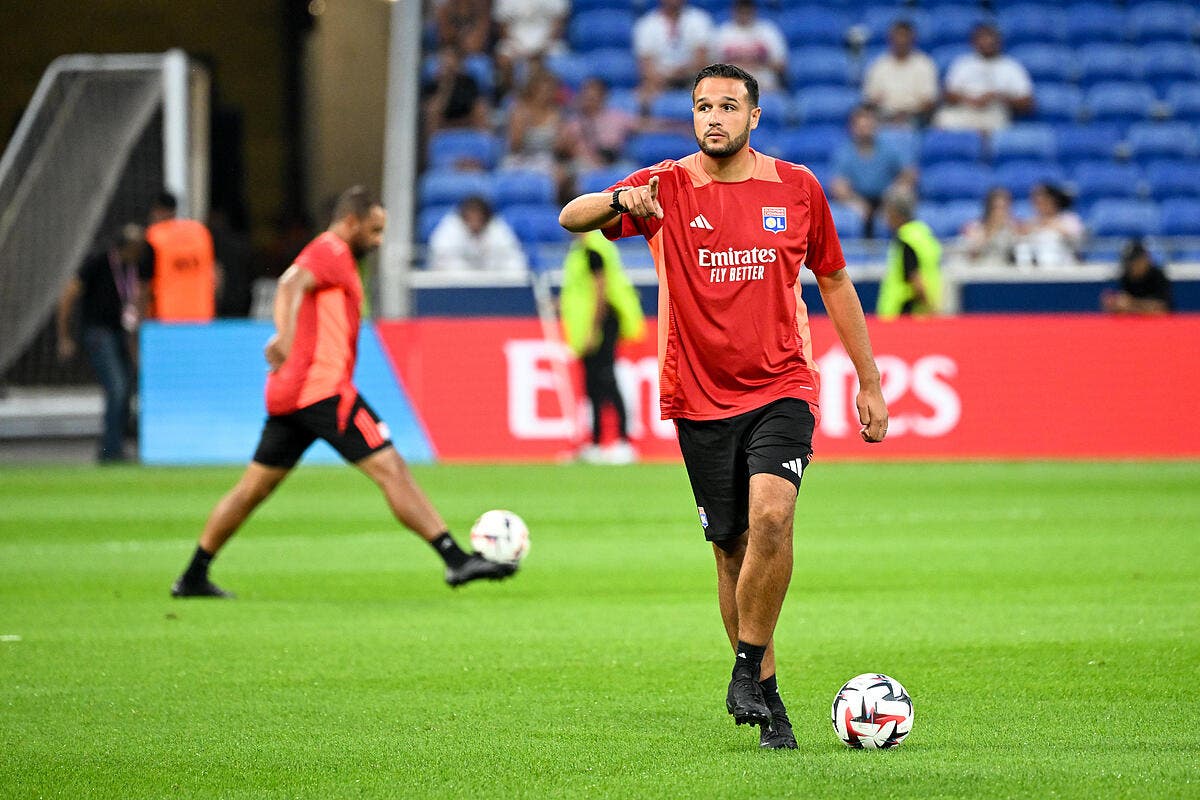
(773, 520)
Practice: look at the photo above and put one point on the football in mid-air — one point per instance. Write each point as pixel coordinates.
(872, 712)
(500, 535)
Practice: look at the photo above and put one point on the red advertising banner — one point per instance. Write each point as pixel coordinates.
(965, 387)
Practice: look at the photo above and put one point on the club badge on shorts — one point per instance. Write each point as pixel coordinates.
(703, 517)
(774, 219)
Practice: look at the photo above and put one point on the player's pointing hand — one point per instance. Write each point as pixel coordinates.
(642, 201)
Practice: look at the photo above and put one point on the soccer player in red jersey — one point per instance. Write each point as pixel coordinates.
(310, 395)
(729, 229)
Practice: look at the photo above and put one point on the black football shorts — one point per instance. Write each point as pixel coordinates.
(721, 455)
(285, 437)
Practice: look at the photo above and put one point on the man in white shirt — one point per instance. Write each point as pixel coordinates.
(527, 29)
(902, 84)
(756, 45)
(671, 45)
(472, 239)
(985, 88)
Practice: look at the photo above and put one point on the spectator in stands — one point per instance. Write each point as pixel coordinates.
(110, 290)
(595, 134)
(912, 284)
(991, 239)
(528, 29)
(452, 98)
(535, 127)
(756, 45)
(1054, 236)
(902, 84)
(186, 279)
(984, 89)
(473, 239)
(864, 168)
(1144, 287)
(465, 25)
(671, 45)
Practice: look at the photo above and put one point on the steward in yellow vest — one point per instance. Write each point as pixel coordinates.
(913, 281)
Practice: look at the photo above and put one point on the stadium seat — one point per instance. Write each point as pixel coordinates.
(944, 55)
(672, 106)
(1098, 141)
(877, 19)
(1183, 99)
(601, 28)
(1120, 100)
(949, 24)
(428, 219)
(535, 223)
(513, 186)
(442, 187)
(948, 219)
(1095, 180)
(1029, 140)
(1097, 63)
(1021, 176)
(646, 149)
(1169, 178)
(1150, 22)
(826, 103)
(1047, 62)
(776, 111)
(1124, 218)
(1032, 22)
(597, 180)
(449, 149)
(810, 25)
(1162, 140)
(904, 139)
(939, 145)
(1057, 102)
(809, 144)
(956, 180)
(848, 222)
(570, 69)
(809, 66)
(1163, 63)
(1095, 22)
(617, 68)
(1180, 217)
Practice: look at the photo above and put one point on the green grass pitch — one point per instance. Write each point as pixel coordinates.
(1045, 618)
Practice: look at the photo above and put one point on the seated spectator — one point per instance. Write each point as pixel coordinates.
(902, 84)
(1054, 236)
(754, 44)
(985, 88)
(990, 240)
(452, 98)
(535, 126)
(1144, 286)
(465, 25)
(595, 134)
(473, 239)
(671, 46)
(528, 29)
(864, 169)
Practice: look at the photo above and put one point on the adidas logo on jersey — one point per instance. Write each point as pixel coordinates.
(701, 222)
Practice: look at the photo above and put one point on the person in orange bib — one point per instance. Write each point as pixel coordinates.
(185, 281)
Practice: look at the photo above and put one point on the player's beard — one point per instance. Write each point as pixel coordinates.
(730, 147)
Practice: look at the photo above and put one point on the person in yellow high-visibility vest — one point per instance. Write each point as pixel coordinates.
(599, 306)
(912, 284)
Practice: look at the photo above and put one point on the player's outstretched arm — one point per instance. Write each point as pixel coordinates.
(592, 211)
(845, 310)
(290, 291)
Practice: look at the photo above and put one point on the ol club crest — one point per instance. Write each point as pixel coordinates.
(774, 219)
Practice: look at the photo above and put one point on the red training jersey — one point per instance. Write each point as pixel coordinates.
(732, 327)
(321, 361)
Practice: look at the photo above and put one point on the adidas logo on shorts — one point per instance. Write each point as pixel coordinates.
(795, 465)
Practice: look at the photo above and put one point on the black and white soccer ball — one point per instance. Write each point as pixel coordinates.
(500, 535)
(872, 712)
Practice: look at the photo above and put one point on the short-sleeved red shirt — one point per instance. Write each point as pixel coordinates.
(321, 361)
(732, 327)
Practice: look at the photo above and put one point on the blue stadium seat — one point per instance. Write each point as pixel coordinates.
(1184, 100)
(1095, 180)
(811, 144)
(1166, 178)
(949, 24)
(443, 187)
(597, 180)
(956, 180)
(1180, 217)
(673, 106)
(1150, 22)
(601, 28)
(535, 223)
(948, 219)
(646, 149)
(848, 222)
(1095, 22)
(814, 25)
(903, 138)
(940, 145)
(480, 67)
(1032, 22)
(428, 219)
(776, 111)
(1047, 62)
(618, 68)
(944, 55)
(1162, 140)
(1098, 141)
(570, 69)
(1057, 102)
(826, 103)
(879, 18)
(815, 65)
(1124, 218)
(1163, 63)
(1030, 140)
(1021, 176)
(1108, 62)
(513, 186)
(449, 149)
(1120, 100)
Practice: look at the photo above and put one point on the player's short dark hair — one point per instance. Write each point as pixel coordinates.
(729, 71)
(166, 201)
(357, 201)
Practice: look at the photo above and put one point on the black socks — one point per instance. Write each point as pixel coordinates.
(449, 550)
(197, 570)
(749, 656)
